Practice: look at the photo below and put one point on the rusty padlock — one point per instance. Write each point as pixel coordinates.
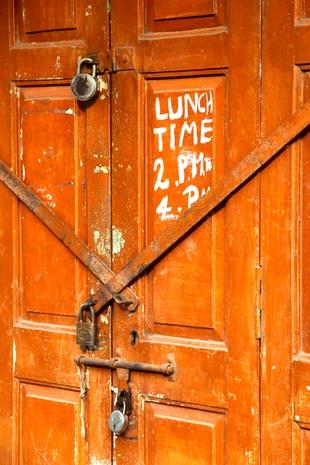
(86, 328)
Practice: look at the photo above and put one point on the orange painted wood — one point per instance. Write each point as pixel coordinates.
(219, 85)
(65, 234)
(198, 302)
(283, 135)
(6, 265)
(62, 151)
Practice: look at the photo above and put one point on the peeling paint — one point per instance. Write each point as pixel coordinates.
(155, 395)
(104, 319)
(102, 85)
(23, 172)
(101, 169)
(49, 199)
(58, 65)
(102, 244)
(88, 11)
(250, 458)
(118, 242)
(95, 461)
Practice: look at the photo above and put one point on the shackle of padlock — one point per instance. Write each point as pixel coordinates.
(84, 86)
(86, 331)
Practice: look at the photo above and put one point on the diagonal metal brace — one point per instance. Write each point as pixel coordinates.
(248, 167)
(66, 235)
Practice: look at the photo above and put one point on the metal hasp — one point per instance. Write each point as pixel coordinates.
(166, 369)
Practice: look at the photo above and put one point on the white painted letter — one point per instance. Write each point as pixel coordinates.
(205, 130)
(209, 102)
(193, 195)
(189, 102)
(159, 183)
(164, 211)
(182, 165)
(189, 128)
(178, 114)
(159, 116)
(159, 132)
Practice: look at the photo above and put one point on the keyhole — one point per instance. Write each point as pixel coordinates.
(134, 337)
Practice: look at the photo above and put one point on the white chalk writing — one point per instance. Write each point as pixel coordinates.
(184, 133)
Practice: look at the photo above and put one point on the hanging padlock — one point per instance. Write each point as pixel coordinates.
(84, 86)
(86, 329)
(118, 421)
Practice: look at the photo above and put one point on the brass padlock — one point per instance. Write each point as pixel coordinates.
(84, 86)
(86, 329)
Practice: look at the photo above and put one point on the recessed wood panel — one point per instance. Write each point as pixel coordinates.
(301, 371)
(49, 426)
(175, 15)
(305, 446)
(177, 435)
(182, 9)
(185, 158)
(305, 230)
(306, 8)
(48, 16)
(49, 163)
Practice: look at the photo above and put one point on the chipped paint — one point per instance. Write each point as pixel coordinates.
(58, 65)
(250, 457)
(49, 199)
(118, 242)
(95, 461)
(101, 169)
(69, 111)
(23, 172)
(102, 85)
(155, 395)
(102, 244)
(88, 10)
(104, 319)
(98, 156)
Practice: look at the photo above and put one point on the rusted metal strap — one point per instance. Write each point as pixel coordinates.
(166, 369)
(78, 247)
(283, 135)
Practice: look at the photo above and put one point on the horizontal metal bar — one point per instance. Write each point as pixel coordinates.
(166, 369)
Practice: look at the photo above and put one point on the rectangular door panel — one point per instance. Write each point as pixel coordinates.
(59, 441)
(176, 435)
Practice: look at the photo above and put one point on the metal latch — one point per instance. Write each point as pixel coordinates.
(166, 369)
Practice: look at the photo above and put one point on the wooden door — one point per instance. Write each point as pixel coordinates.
(61, 150)
(193, 88)
(285, 389)
(186, 75)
